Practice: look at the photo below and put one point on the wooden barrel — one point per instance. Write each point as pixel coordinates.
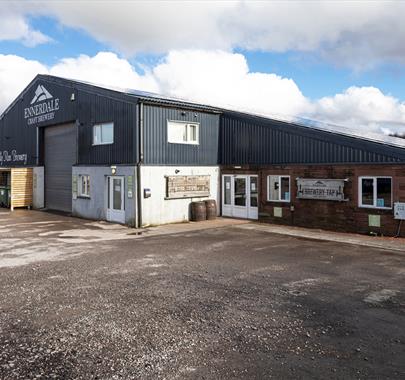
(198, 211)
(211, 206)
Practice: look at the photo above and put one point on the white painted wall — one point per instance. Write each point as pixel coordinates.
(157, 209)
(38, 200)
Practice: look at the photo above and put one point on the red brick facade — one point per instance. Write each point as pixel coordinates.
(333, 215)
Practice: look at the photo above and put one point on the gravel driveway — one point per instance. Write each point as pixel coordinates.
(212, 304)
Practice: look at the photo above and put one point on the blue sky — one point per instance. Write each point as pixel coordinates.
(312, 60)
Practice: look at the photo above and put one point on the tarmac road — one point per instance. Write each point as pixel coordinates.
(213, 304)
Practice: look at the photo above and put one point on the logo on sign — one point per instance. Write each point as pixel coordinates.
(43, 106)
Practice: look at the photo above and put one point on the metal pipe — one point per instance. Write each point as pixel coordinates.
(140, 161)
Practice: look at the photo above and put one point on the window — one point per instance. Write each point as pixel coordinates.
(103, 134)
(375, 192)
(182, 133)
(84, 186)
(278, 188)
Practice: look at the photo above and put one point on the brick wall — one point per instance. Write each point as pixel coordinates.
(332, 215)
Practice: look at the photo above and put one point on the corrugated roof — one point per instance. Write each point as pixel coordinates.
(307, 123)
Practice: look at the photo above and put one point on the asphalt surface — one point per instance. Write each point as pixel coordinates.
(213, 304)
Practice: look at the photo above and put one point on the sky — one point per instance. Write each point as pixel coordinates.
(339, 62)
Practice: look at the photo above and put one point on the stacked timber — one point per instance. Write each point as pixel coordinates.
(21, 187)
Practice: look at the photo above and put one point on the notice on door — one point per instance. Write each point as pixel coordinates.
(187, 186)
(321, 189)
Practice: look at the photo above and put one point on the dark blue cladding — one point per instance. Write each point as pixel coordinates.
(54, 101)
(252, 140)
(225, 137)
(157, 149)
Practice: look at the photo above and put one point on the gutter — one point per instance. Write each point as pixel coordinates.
(139, 164)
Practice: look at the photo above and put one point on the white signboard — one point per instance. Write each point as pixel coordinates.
(188, 186)
(321, 189)
(399, 210)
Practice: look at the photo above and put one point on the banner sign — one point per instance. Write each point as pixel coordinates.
(13, 156)
(187, 186)
(321, 189)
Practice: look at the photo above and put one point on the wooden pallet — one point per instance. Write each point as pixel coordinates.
(21, 187)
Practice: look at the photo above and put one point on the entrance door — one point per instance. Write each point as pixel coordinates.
(240, 196)
(116, 204)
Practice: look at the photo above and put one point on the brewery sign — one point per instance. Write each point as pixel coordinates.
(42, 108)
(321, 189)
(7, 157)
(187, 186)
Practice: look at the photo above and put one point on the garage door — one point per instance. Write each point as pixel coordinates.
(60, 155)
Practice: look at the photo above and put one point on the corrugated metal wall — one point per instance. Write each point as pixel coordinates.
(258, 141)
(157, 151)
(88, 106)
(94, 109)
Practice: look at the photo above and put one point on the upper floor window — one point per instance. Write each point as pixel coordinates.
(375, 192)
(179, 132)
(278, 188)
(103, 134)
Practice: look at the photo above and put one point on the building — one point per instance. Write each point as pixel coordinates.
(287, 173)
(136, 158)
(104, 154)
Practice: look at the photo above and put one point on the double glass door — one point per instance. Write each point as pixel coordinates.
(240, 196)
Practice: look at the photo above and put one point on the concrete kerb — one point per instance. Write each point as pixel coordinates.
(384, 243)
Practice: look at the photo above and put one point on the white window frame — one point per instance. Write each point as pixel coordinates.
(100, 125)
(279, 189)
(85, 194)
(360, 192)
(188, 126)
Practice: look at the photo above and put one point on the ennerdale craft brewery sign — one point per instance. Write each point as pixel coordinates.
(43, 106)
(188, 186)
(321, 189)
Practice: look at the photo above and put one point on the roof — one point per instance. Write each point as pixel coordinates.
(329, 127)
(142, 95)
(149, 97)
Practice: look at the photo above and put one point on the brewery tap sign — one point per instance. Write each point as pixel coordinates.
(321, 189)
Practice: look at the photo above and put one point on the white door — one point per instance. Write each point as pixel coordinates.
(116, 204)
(253, 210)
(240, 196)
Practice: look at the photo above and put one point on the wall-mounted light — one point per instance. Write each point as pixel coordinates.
(72, 97)
(183, 113)
(113, 170)
(177, 171)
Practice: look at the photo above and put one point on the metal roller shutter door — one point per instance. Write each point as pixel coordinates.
(60, 156)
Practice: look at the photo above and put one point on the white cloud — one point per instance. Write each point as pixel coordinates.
(15, 74)
(359, 34)
(105, 68)
(364, 108)
(14, 26)
(217, 78)
(221, 78)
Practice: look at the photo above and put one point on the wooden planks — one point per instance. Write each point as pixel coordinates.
(21, 187)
